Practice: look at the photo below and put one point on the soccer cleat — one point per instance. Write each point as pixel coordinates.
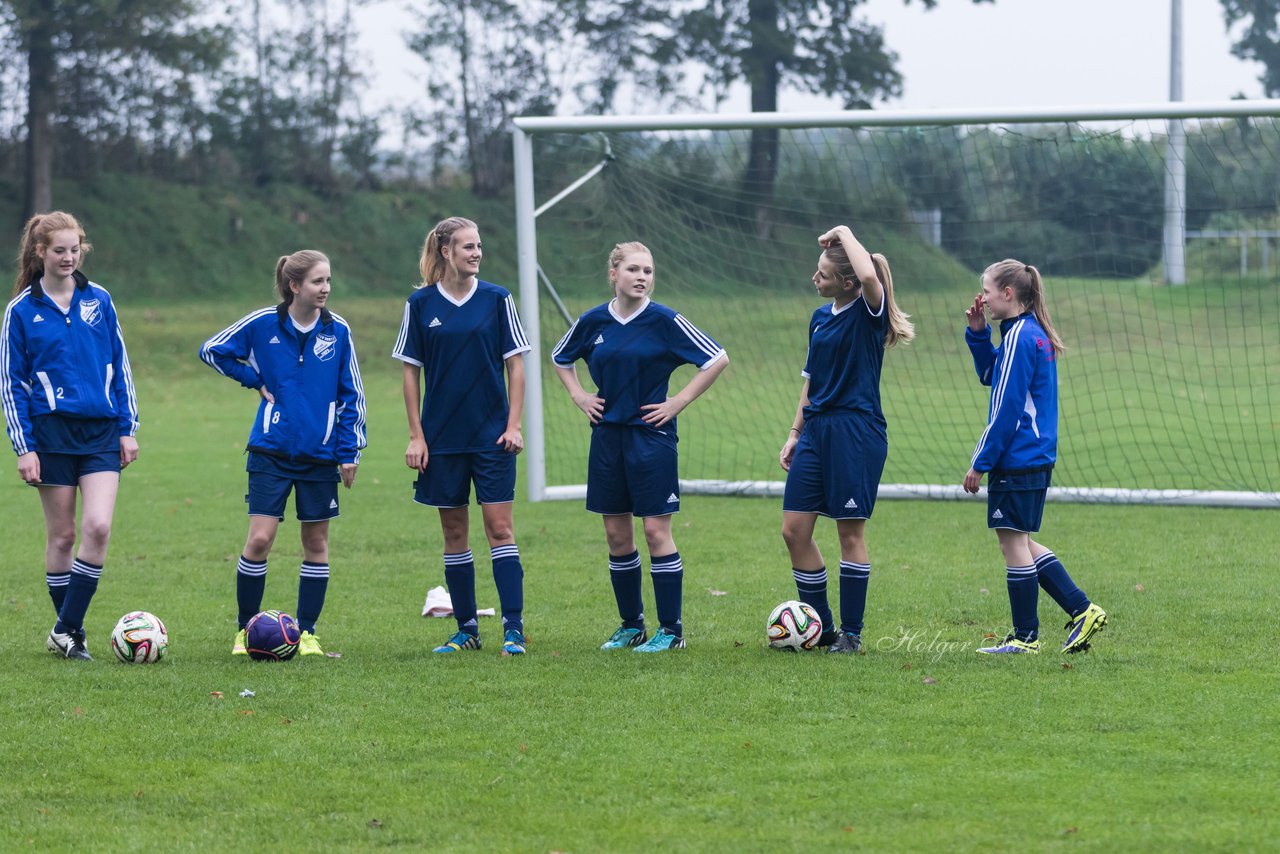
(513, 642)
(847, 642)
(1082, 627)
(69, 645)
(308, 644)
(625, 637)
(661, 641)
(829, 637)
(1011, 646)
(460, 641)
(238, 646)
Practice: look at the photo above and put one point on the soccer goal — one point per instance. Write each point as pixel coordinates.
(1170, 384)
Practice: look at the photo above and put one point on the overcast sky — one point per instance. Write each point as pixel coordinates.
(1010, 53)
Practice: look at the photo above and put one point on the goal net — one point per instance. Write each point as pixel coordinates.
(1169, 392)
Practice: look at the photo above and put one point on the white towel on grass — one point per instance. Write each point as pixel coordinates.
(439, 604)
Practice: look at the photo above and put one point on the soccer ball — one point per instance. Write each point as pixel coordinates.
(272, 636)
(794, 625)
(139, 638)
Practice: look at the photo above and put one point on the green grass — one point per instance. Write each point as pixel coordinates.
(1161, 738)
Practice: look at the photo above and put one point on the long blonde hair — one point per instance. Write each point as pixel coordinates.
(294, 268)
(432, 265)
(1028, 287)
(900, 329)
(35, 234)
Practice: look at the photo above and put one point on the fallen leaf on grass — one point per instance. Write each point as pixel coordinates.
(217, 695)
(715, 592)
(988, 636)
(374, 823)
(523, 748)
(907, 666)
(746, 744)
(1069, 830)
(138, 794)
(848, 828)
(79, 711)
(984, 591)
(737, 643)
(246, 711)
(43, 810)
(1139, 588)
(929, 680)
(285, 721)
(1067, 665)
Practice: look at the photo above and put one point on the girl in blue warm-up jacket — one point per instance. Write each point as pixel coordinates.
(307, 434)
(72, 414)
(1018, 449)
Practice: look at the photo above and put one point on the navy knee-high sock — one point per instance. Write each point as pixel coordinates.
(251, 581)
(57, 583)
(80, 590)
(1023, 593)
(1053, 577)
(853, 595)
(627, 578)
(508, 576)
(668, 590)
(812, 590)
(313, 583)
(460, 578)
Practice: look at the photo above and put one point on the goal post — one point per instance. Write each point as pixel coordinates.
(1169, 396)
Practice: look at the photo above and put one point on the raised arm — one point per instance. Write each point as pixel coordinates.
(863, 267)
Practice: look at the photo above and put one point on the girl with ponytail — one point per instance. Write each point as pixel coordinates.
(837, 446)
(68, 397)
(1018, 449)
(307, 434)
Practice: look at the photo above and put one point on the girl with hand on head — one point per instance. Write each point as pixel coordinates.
(631, 346)
(72, 414)
(1018, 449)
(838, 442)
(458, 336)
(307, 434)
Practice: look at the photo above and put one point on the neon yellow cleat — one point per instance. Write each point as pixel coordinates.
(309, 645)
(1082, 627)
(238, 647)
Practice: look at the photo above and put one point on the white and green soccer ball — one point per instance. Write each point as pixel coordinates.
(793, 625)
(139, 638)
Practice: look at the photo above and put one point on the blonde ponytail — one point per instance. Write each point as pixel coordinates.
(1028, 287)
(900, 329)
(431, 264)
(36, 234)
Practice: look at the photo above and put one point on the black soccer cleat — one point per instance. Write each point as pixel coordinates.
(847, 642)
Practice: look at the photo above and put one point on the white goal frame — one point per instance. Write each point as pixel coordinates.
(526, 127)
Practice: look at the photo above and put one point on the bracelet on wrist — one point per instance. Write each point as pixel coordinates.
(795, 430)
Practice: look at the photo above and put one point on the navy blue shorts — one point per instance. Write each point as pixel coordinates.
(315, 488)
(67, 469)
(1016, 501)
(632, 470)
(836, 467)
(448, 478)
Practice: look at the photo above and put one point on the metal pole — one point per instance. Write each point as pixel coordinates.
(527, 257)
(1175, 165)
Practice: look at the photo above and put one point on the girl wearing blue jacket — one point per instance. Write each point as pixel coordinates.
(1018, 449)
(307, 434)
(72, 414)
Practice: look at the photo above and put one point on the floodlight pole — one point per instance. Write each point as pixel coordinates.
(1175, 164)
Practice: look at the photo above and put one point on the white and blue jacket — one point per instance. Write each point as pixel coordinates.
(69, 363)
(1022, 420)
(318, 415)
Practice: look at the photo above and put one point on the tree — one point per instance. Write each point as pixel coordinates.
(88, 64)
(1260, 41)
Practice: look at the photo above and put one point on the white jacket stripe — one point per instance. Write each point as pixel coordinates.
(206, 351)
(6, 392)
(997, 394)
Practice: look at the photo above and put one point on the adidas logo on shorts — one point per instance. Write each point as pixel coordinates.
(672, 498)
(997, 515)
(333, 504)
(435, 321)
(851, 505)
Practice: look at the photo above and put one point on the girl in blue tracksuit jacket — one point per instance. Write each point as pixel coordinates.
(307, 434)
(1018, 448)
(72, 414)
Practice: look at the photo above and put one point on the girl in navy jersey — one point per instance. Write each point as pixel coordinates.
(631, 346)
(838, 443)
(458, 336)
(1018, 449)
(306, 436)
(69, 402)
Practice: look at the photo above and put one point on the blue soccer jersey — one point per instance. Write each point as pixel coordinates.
(631, 359)
(462, 347)
(846, 352)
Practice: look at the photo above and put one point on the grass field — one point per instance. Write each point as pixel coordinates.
(1162, 738)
